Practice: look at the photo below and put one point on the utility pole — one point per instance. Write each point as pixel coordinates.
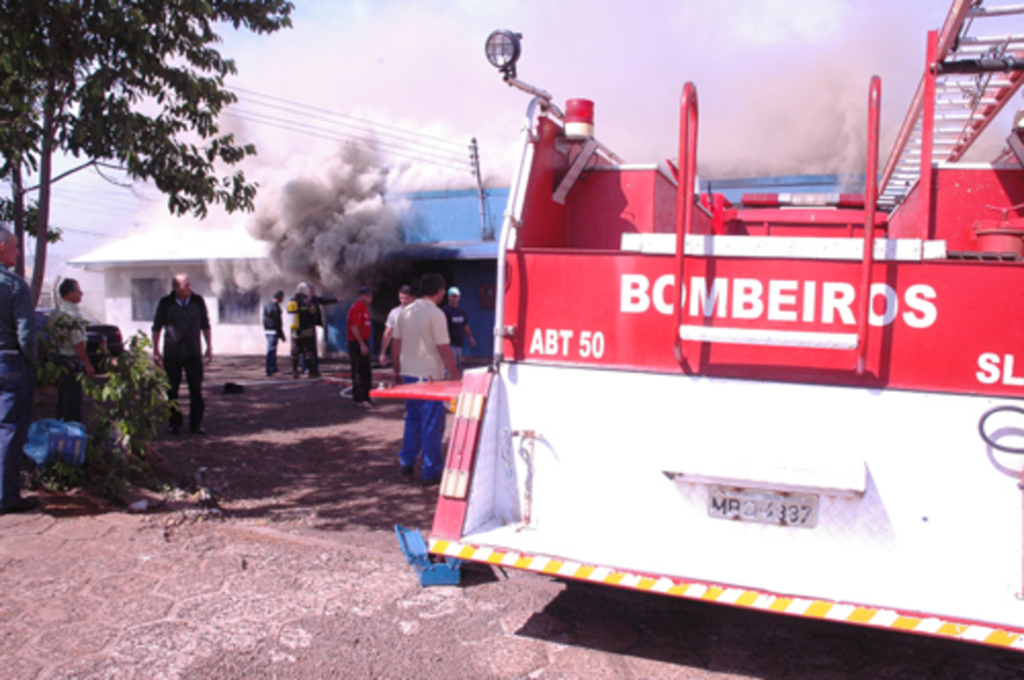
(485, 233)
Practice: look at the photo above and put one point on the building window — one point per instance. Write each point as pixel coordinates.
(487, 296)
(146, 293)
(239, 307)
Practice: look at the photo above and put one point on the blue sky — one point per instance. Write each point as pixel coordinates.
(782, 85)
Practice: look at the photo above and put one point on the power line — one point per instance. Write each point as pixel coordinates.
(99, 200)
(83, 183)
(371, 124)
(72, 230)
(406, 137)
(399, 141)
(84, 201)
(322, 133)
(118, 214)
(97, 204)
(74, 191)
(395, 148)
(398, 148)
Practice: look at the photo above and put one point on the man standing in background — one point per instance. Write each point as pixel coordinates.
(359, 330)
(68, 326)
(405, 298)
(306, 316)
(183, 314)
(319, 301)
(304, 319)
(273, 328)
(17, 375)
(458, 323)
(421, 351)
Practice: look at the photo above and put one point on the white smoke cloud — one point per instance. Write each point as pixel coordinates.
(783, 83)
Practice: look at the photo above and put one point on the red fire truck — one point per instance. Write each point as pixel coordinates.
(810, 405)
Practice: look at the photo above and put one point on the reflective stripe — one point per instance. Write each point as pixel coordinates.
(740, 597)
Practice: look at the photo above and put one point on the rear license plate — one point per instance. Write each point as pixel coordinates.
(766, 507)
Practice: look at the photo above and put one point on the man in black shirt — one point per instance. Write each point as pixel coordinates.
(183, 315)
(458, 323)
(273, 328)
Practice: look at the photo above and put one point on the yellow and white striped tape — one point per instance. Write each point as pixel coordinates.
(739, 597)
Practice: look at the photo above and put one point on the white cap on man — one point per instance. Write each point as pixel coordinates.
(454, 292)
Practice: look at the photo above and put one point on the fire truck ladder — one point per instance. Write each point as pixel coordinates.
(968, 80)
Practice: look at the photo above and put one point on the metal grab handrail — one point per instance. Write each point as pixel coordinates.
(510, 221)
(540, 106)
(870, 204)
(684, 199)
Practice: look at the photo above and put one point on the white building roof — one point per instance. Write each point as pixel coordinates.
(170, 246)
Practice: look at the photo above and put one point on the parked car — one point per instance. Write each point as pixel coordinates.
(102, 340)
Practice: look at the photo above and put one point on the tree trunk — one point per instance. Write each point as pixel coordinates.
(45, 172)
(19, 217)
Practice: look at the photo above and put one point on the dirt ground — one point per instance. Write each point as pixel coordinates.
(286, 452)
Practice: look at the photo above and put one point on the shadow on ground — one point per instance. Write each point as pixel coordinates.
(295, 451)
(744, 642)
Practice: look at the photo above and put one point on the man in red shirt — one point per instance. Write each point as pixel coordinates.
(359, 347)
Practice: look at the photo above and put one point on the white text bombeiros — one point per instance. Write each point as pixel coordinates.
(789, 300)
(823, 302)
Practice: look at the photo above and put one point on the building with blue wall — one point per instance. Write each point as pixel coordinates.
(733, 189)
(443, 233)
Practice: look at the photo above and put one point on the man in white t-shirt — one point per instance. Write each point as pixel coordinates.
(405, 298)
(421, 351)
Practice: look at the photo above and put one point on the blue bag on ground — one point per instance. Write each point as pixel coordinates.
(51, 440)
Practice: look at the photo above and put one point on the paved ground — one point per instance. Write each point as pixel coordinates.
(122, 596)
(297, 575)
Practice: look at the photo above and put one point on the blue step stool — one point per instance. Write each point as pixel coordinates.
(444, 573)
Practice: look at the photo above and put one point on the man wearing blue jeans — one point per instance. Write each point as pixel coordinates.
(421, 351)
(17, 375)
(273, 328)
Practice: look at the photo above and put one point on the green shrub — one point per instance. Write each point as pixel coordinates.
(129, 404)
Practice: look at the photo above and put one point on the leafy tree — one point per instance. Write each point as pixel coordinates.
(28, 219)
(136, 82)
(18, 140)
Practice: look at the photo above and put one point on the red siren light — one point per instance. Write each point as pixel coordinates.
(579, 119)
